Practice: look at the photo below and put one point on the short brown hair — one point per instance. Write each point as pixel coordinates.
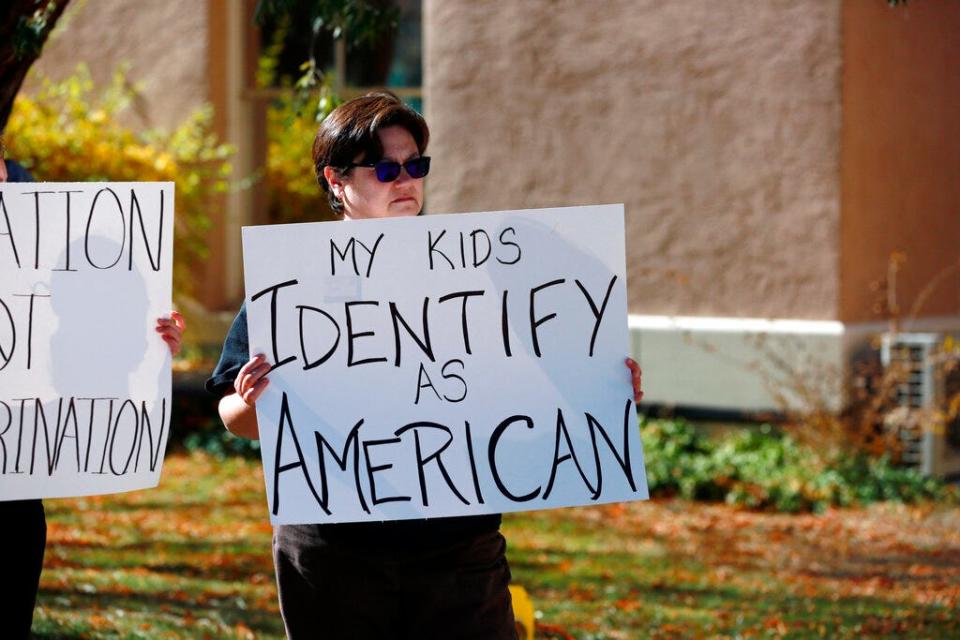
(351, 130)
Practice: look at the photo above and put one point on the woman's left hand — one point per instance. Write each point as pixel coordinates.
(171, 330)
(635, 378)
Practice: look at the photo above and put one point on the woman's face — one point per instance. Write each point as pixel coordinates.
(364, 196)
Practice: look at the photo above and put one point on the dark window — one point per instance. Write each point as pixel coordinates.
(393, 61)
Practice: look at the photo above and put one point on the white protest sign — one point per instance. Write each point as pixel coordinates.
(443, 365)
(85, 270)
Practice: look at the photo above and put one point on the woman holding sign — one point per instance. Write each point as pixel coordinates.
(24, 533)
(443, 577)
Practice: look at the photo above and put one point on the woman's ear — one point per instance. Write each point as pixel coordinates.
(334, 180)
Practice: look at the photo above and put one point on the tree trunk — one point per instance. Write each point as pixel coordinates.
(13, 69)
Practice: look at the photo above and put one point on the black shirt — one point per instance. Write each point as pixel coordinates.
(16, 172)
(392, 536)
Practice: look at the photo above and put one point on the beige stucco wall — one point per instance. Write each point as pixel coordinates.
(165, 44)
(717, 124)
(901, 155)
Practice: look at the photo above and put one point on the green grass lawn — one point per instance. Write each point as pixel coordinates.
(192, 559)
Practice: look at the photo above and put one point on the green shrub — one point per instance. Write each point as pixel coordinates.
(763, 468)
(221, 443)
(195, 424)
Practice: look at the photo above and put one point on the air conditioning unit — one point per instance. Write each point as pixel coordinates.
(927, 390)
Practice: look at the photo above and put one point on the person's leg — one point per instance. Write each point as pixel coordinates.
(326, 592)
(460, 592)
(23, 537)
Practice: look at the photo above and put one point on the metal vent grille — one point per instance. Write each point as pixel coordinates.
(925, 388)
(909, 355)
(912, 360)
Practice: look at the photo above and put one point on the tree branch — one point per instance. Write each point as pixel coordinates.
(25, 26)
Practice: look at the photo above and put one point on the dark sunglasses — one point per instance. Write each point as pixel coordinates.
(388, 171)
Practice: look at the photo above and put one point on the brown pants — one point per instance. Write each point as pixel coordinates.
(327, 591)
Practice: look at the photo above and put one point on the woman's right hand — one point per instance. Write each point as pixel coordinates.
(252, 379)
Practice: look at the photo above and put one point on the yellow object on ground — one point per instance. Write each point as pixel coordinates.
(522, 612)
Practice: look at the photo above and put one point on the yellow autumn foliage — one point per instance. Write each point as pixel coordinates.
(293, 194)
(70, 132)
